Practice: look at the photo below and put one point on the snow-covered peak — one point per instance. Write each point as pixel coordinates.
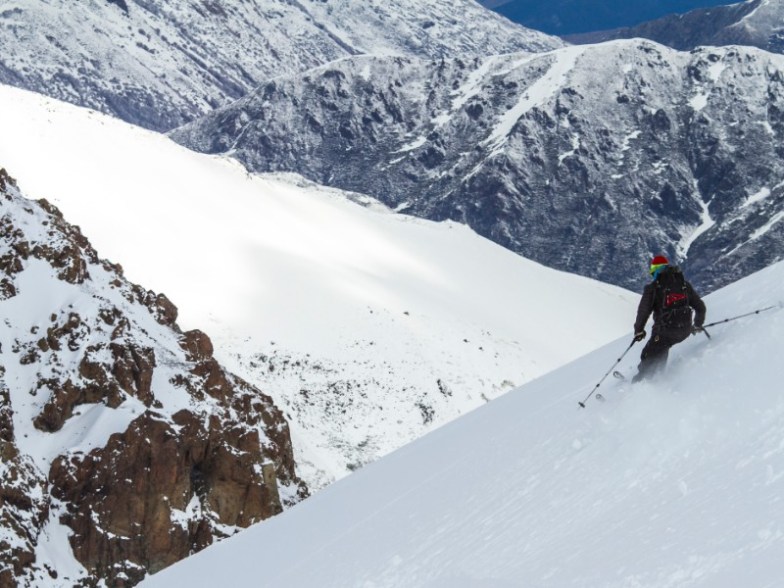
(676, 482)
(758, 23)
(161, 63)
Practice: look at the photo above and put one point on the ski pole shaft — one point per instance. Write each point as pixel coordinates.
(740, 316)
(595, 388)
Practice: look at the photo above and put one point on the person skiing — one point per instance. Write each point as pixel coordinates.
(670, 298)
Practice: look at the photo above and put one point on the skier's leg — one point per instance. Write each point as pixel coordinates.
(654, 357)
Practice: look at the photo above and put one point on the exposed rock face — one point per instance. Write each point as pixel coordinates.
(164, 490)
(161, 63)
(587, 159)
(24, 503)
(152, 450)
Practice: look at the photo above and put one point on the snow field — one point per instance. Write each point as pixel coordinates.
(368, 328)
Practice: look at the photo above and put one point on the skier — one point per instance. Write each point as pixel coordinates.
(671, 299)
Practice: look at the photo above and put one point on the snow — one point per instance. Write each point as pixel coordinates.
(698, 102)
(53, 552)
(563, 61)
(368, 328)
(671, 483)
(629, 138)
(775, 219)
(575, 147)
(691, 235)
(757, 197)
(715, 71)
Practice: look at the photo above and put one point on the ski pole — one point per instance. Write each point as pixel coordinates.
(734, 318)
(701, 330)
(595, 388)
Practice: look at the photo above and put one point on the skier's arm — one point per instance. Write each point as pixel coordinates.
(697, 304)
(645, 308)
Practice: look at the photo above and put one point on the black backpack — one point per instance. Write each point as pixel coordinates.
(672, 299)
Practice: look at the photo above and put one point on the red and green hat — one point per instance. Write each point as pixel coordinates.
(657, 263)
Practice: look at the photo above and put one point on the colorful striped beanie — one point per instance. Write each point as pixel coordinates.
(658, 263)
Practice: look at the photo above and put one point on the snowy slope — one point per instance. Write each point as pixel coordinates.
(367, 327)
(669, 484)
(584, 159)
(161, 63)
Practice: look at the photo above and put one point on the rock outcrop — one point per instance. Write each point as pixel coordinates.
(114, 424)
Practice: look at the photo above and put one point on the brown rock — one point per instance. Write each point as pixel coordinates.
(146, 479)
(162, 309)
(24, 506)
(133, 370)
(197, 346)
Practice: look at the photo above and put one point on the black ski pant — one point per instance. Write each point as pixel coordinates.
(654, 354)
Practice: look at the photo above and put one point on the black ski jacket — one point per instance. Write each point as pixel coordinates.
(650, 304)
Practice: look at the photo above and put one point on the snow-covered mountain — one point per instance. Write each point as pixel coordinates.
(125, 445)
(758, 23)
(676, 482)
(368, 328)
(160, 63)
(584, 159)
(564, 17)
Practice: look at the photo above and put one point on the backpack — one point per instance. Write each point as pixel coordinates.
(672, 299)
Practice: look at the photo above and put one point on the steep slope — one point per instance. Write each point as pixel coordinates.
(676, 482)
(160, 63)
(584, 159)
(758, 23)
(370, 328)
(125, 445)
(566, 17)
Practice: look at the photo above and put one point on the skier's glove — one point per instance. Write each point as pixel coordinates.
(639, 336)
(696, 329)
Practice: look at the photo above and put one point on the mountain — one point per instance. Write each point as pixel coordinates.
(366, 327)
(675, 482)
(587, 159)
(125, 445)
(566, 17)
(161, 63)
(757, 23)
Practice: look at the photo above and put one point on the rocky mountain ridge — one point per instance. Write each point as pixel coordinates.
(565, 17)
(586, 159)
(756, 23)
(126, 446)
(159, 64)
